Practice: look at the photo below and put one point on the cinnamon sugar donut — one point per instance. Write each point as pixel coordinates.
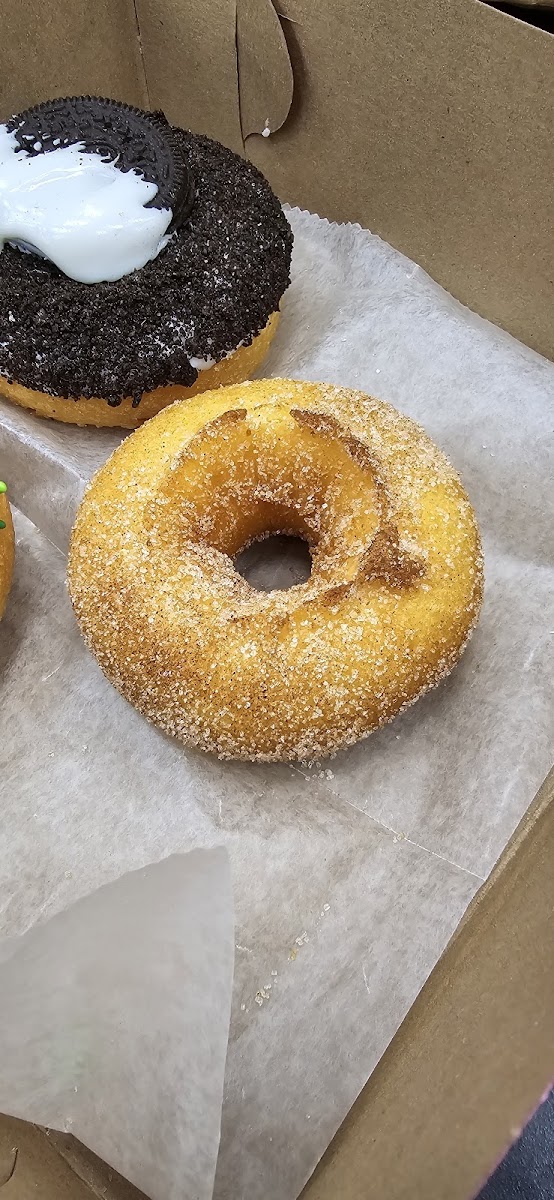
(394, 593)
(6, 548)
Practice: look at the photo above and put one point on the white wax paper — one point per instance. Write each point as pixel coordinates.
(349, 878)
(114, 1019)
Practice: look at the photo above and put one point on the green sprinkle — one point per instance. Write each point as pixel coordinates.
(2, 524)
(3, 487)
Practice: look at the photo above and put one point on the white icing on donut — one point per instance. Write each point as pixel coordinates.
(204, 364)
(79, 211)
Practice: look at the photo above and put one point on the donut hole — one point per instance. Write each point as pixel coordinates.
(275, 562)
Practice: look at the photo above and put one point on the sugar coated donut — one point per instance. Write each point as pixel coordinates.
(6, 547)
(139, 263)
(394, 592)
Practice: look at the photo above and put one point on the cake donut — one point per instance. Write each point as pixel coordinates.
(6, 547)
(394, 592)
(139, 263)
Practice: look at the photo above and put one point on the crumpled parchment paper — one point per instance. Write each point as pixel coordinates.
(348, 878)
(114, 1020)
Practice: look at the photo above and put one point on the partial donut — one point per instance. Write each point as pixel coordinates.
(94, 411)
(394, 592)
(199, 315)
(7, 545)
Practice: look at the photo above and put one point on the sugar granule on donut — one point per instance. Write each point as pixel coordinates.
(394, 592)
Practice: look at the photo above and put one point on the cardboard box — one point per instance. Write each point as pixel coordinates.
(429, 122)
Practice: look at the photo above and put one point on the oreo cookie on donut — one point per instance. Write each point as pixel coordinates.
(139, 263)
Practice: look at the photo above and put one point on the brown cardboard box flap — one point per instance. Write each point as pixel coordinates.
(190, 60)
(264, 68)
(220, 67)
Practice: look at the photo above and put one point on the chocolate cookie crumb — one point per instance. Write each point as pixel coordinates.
(133, 139)
(210, 290)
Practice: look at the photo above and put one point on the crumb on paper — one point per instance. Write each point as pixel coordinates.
(298, 943)
(266, 130)
(51, 673)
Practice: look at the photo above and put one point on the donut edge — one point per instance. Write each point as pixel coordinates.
(97, 413)
(7, 552)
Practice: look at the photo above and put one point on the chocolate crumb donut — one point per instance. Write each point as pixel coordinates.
(394, 593)
(200, 314)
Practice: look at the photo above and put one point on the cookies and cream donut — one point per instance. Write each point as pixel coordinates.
(169, 282)
(6, 547)
(394, 592)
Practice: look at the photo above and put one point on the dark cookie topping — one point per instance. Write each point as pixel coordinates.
(135, 140)
(213, 288)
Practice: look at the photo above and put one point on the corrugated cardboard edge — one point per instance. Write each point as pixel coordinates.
(461, 1077)
(475, 1053)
